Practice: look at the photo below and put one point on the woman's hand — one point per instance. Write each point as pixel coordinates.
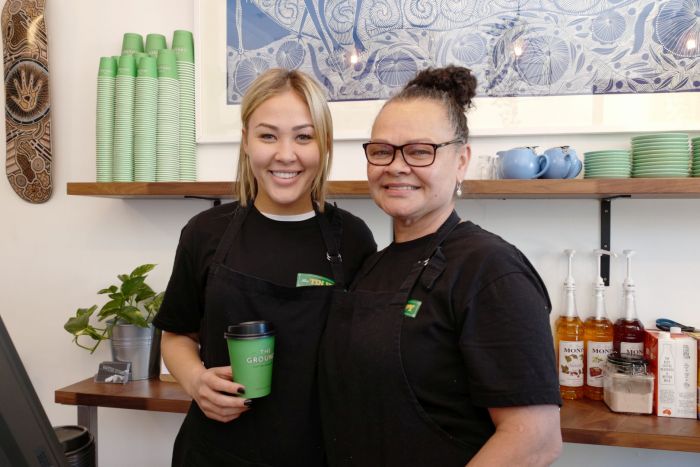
(217, 395)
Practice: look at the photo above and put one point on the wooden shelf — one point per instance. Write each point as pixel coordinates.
(494, 189)
(583, 421)
(591, 422)
(222, 190)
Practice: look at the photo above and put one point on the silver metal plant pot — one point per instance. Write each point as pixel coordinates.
(140, 346)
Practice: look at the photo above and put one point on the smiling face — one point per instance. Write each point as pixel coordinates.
(418, 198)
(284, 156)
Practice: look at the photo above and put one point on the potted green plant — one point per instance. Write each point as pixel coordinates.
(126, 319)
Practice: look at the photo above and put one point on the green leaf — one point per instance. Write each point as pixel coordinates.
(111, 307)
(111, 289)
(133, 315)
(567, 358)
(144, 293)
(123, 277)
(153, 306)
(142, 270)
(80, 321)
(131, 286)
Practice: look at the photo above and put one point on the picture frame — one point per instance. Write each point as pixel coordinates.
(218, 122)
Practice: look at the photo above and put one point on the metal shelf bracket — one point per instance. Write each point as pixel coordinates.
(605, 241)
(215, 201)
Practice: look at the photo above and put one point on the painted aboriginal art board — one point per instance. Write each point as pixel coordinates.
(27, 103)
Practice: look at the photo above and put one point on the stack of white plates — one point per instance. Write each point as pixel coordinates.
(661, 155)
(613, 163)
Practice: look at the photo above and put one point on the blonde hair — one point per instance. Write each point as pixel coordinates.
(271, 83)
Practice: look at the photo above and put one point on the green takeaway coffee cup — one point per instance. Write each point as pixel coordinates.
(167, 64)
(108, 67)
(183, 45)
(251, 348)
(147, 67)
(127, 66)
(132, 43)
(154, 43)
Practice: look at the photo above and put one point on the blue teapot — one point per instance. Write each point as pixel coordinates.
(563, 163)
(522, 163)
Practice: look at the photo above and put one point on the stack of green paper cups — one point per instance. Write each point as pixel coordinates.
(183, 45)
(168, 119)
(154, 43)
(123, 163)
(145, 120)
(106, 77)
(132, 43)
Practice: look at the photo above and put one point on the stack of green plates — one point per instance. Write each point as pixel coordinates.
(106, 78)
(168, 119)
(183, 45)
(696, 156)
(613, 163)
(145, 121)
(661, 155)
(123, 163)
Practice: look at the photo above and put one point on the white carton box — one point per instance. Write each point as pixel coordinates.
(674, 362)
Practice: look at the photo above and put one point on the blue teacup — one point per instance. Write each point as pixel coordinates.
(563, 163)
(522, 163)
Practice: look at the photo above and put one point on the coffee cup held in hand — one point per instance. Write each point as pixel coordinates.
(251, 348)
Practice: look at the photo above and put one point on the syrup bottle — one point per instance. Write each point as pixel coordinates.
(628, 337)
(598, 335)
(569, 344)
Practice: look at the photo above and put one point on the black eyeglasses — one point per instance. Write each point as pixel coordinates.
(414, 154)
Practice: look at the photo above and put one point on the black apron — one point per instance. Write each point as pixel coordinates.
(371, 416)
(283, 428)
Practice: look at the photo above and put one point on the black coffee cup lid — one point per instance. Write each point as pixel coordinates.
(250, 329)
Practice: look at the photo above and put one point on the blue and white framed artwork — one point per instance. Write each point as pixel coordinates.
(367, 49)
(608, 65)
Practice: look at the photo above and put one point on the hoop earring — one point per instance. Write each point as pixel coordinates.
(458, 191)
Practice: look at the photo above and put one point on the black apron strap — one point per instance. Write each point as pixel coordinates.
(234, 226)
(332, 235)
(401, 297)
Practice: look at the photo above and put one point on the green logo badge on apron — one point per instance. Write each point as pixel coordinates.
(312, 280)
(412, 307)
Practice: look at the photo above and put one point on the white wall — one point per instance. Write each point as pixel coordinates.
(55, 256)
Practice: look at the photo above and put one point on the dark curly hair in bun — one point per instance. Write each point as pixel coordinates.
(454, 86)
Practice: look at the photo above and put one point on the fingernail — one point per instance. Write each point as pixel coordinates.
(241, 390)
(248, 402)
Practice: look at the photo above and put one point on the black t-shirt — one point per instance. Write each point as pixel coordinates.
(275, 251)
(481, 337)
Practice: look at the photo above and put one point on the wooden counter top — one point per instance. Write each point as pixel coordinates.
(584, 421)
(150, 394)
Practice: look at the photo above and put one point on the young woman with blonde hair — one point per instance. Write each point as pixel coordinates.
(255, 260)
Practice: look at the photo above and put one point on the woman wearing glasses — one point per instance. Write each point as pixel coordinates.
(441, 354)
(261, 258)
